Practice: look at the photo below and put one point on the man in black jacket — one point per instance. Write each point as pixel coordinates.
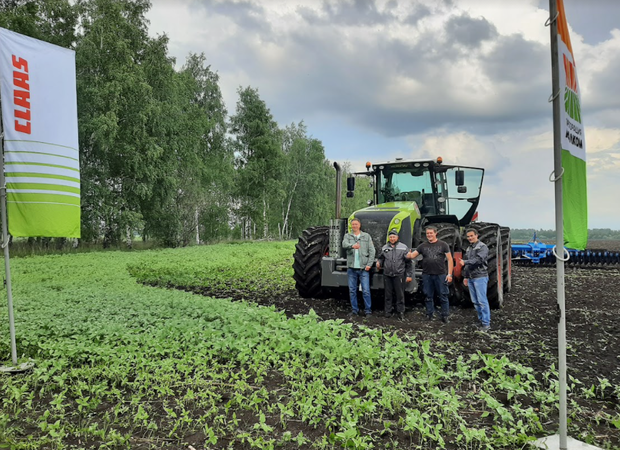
(397, 270)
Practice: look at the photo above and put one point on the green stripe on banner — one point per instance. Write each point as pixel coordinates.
(41, 175)
(14, 163)
(17, 152)
(54, 220)
(574, 201)
(43, 187)
(19, 197)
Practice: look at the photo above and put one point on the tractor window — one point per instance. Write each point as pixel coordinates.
(459, 199)
(404, 186)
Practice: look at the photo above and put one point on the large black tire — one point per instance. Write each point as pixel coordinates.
(506, 258)
(451, 235)
(313, 244)
(490, 234)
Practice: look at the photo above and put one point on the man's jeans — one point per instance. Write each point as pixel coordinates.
(478, 294)
(436, 284)
(357, 276)
(394, 286)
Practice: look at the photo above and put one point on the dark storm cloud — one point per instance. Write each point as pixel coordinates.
(349, 12)
(419, 12)
(247, 15)
(516, 60)
(593, 18)
(603, 86)
(468, 31)
(323, 74)
(358, 75)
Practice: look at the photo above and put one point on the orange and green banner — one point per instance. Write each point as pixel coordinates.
(574, 186)
(41, 156)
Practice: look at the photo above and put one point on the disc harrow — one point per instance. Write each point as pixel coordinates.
(538, 254)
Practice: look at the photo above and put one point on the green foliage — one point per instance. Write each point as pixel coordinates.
(259, 163)
(120, 158)
(53, 21)
(308, 180)
(122, 365)
(238, 266)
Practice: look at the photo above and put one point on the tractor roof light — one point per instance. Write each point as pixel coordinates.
(439, 160)
(368, 165)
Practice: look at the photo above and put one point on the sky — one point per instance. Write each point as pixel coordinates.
(467, 80)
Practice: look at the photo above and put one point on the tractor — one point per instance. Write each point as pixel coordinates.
(408, 195)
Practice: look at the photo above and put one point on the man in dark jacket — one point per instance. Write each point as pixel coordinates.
(397, 270)
(477, 277)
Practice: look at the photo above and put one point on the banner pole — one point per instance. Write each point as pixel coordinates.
(559, 224)
(5, 247)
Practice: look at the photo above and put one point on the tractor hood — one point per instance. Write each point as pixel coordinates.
(378, 220)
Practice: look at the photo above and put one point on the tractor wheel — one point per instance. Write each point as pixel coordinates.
(451, 235)
(312, 245)
(506, 258)
(490, 234)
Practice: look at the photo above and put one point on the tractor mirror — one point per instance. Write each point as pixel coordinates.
(350, 184)
(459, 178)
(461, 189)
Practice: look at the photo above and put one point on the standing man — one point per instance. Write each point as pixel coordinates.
(360, 258)
(397, 270)
(477, 277)
(437, 265)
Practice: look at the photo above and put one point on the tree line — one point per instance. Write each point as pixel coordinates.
(160, 155)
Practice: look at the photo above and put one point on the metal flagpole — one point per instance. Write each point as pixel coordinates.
(5, 246)
(559, 214)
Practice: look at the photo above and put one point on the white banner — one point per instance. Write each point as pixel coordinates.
(39, 116)
(573, 134)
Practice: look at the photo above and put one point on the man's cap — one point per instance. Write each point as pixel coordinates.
(393, 232)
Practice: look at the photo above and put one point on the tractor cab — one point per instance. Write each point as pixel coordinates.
(438, 190)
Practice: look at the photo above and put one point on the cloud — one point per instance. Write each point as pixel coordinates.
(462, 148)
(467, 79)
(348, 12)
(597, 70)
(469, 32)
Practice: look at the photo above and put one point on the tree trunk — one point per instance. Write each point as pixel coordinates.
(197, 227)
(128, 239)
(265, 223)
(288, 208)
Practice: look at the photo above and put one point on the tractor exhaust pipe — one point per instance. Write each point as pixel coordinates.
(338, 189)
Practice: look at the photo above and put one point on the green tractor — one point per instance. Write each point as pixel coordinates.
(407, 196)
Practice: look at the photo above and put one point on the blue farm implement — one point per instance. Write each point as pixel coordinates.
(537, 253)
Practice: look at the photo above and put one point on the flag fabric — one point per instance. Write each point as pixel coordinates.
(574, 186)
(41, 156)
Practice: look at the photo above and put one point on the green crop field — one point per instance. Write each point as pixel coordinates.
(123, 361)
